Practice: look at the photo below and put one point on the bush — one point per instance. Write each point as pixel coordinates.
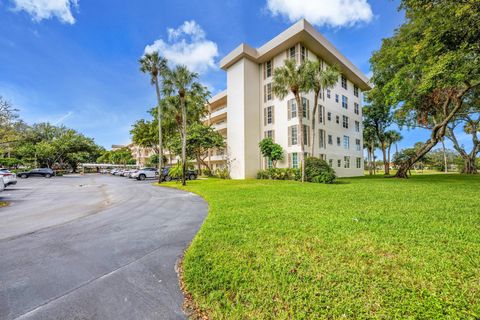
(207, 172)
(318, 171)
(279, 174)
(223, 173)
(175, 171)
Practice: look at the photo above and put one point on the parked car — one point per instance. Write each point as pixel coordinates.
(2, 184)
(41, 172)
(190, 174)
(9, 178)
(145, 173)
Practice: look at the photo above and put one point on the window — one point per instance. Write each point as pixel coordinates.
(269, 163)
(329, 116)
(294, 160)
(293, 135)
(270, 134)
(306, 108)
(321, 138)
(321, 113)
(357, 126)
(337, 119)
(344, 82)
(358, 144)
(268, 69)
(359, 163)
(346, 161)
(355, 90)
(292, 54)
(268, 115)
(330, 162)
(346, 142)
(306, 135)
(267, 92)
(345, 122)
(328, 93)
(304, 53)
(292, 109)
(344, 102)
(339, 142)
(339, 163)
(356, 108)
(330, 139)
(336, 98)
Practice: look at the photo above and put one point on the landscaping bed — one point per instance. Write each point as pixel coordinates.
(361, 248)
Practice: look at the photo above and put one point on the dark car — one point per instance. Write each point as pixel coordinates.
(42, 172)
(190, 174)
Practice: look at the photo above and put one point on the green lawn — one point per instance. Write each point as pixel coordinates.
(368, 247)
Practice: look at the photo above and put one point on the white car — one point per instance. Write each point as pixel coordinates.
(145, 173)
(2, 184)
(9, 178)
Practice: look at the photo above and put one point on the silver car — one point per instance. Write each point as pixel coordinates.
(8, 177)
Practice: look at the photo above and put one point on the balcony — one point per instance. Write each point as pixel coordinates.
(220, 126)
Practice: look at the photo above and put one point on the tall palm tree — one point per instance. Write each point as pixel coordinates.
(392, 137)
(155, 65)
(318, 79)
(370, 142)
(291, 78)
(182, 84)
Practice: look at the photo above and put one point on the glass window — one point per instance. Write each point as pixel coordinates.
(268, 68)
(344, 102)
(269, 111)
(357, 126)
(305, 108)
(330, 139)
(345, 122)
(336, 98)
(346, 142)
(355, 90)
(306, 133)
(356, 108)
(304, 53)
(358, 144)
(359, 163)
(295, 160)
(269, 134)
(339, 142)
(344, 82)
(294, 135)
(320, 113)
(339, 163)
(321, 142)
(346, 161)
(293, 108)
(337, 119)
(329, 116)
(292, 53)
(328, 93)
(330, 162)
(269, 92)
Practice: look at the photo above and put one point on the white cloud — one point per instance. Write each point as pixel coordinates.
(63, 118)
(335, 13)
(187, 45)
(47, 9)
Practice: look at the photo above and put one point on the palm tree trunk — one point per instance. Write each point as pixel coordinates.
(386, 166)
(300, 132)
(315, 103)
(389, 148)
(160, 142)
(184, 139)
(445, 163)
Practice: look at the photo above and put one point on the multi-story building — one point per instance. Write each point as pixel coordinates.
(247, 111)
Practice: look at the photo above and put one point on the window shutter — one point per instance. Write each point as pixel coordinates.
(273, 114)
(264, 93)
(289, 157)
(289, 109)
(273, 135)
(289, 136)
(264, 116)
(308, 136)
(308, 109)
(299, 134)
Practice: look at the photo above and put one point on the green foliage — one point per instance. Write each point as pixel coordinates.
(365, 248)
(207, 172)
(279, 174)
(318, 171)
(176, 171)
(222, 173)
(9, 162)
(271, 150)
(121, 156)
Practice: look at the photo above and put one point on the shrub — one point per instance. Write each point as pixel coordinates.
(175, 171)
(279, 174)
(318, 171)
(222, 173)
(207, 172)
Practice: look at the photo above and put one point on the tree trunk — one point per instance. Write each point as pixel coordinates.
(370, 169)
(386, 166)
(315, 103)
(160, 142)
(388, 152)
(199, 166)
(445, 163)
(438, 132)
(300, 132)
(470, 167)
(184, 139)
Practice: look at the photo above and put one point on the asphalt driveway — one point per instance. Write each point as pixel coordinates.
(94, 247)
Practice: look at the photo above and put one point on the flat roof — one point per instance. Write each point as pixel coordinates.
(303, 32)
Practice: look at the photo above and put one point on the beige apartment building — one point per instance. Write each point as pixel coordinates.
(247, 111)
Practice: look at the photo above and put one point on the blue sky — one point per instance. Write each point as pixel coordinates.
(75, 62)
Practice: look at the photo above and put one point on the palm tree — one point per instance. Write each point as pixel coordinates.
(392, 137)
(319, 79)
(291, 78)
(155, 65)
(181, 84)
(370, 142)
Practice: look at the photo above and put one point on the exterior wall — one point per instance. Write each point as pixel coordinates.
(243, 127)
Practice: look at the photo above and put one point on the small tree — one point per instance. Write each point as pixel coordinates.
(271, 150)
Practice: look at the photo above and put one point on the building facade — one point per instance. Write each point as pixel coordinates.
(248, 111)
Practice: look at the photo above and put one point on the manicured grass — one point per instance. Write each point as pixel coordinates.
(368, 247)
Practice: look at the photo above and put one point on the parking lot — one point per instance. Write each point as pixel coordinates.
(93, 247)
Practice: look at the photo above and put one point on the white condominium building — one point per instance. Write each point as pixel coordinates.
(248, 111)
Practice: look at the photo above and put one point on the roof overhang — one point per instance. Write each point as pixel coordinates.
(303, 32)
